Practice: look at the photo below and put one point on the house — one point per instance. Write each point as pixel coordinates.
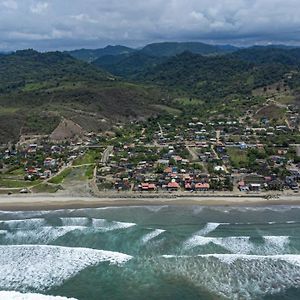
(188, 186)
(49, 162)
(255, 187)
(148, 187)
(173, 186)
(219, 169)
(243, 187)
(202, 187)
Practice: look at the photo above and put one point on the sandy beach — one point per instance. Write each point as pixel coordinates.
(54, 202)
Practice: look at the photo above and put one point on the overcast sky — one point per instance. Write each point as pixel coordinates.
(69, 24)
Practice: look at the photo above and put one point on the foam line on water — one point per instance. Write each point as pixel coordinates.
(233, 244)
(24, 224)
(43, 235)
(242, 244)
(151, 235)
(75, 221)
(231, 258)
(10, 295)
(235, 276)
(39, 267)
(209, 227)
(104, 225)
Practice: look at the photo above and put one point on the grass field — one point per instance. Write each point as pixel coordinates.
(89, 173)
(61, 176)
(272, 112)
(12, 183)
(237, 156)
(89, 157)
(45, 188)
(81, 173)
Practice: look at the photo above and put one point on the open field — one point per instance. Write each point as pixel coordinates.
(60, 177)
(11, 183)
(89, 157)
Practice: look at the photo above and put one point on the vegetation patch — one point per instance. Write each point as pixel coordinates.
(10, 183)
(89, 157)
(89, 173)
(238, 157)
(272, 112)
(167, 109)
(46, 188)
(58, 179)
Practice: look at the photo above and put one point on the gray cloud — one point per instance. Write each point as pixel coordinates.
(57, 24)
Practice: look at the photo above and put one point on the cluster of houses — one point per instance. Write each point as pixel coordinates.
(175, 169)
(177, 156)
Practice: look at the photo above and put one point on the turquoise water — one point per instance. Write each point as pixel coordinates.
(165, 252)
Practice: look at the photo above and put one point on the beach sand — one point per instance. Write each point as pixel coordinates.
(54, 202)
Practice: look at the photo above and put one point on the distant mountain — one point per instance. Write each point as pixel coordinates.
(153, 50)
(270, 55)
(90, 55)
(128, 66)
(173, 48)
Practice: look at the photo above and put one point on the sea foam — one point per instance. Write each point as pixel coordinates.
(23, 224)
(209, 227)
(28, 267)
(235, 276)
(19, 296)
(42, 235)
(151, 235)
(104, 225)
(242, 244)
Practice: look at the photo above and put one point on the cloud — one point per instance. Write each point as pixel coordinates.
(39, 8)
(10, 4)
(95, 23)
(84, 18)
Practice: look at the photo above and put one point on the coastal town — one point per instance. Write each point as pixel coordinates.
(165, 154)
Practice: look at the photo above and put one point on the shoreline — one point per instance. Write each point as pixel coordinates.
(56, 202)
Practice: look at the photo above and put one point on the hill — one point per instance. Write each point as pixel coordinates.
(270, 55)
(90, 55)
(166, 49)
(216, 77)
(128, 66)
(173, 48)
(37, 90)
(24, 69)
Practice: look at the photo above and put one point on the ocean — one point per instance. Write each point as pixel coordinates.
(151, 252)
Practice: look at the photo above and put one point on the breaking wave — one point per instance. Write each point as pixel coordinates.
(152, 235)
(242, 244)
(236, 276)
(41, 267)
(19, 296)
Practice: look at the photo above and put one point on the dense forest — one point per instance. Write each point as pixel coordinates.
(208, 77)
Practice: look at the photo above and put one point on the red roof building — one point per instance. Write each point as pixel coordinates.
(202, 186)
(173, 185)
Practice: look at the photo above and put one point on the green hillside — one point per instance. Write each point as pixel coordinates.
(29, 69)
(216, 77)
(37, 89)
(128, 66)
